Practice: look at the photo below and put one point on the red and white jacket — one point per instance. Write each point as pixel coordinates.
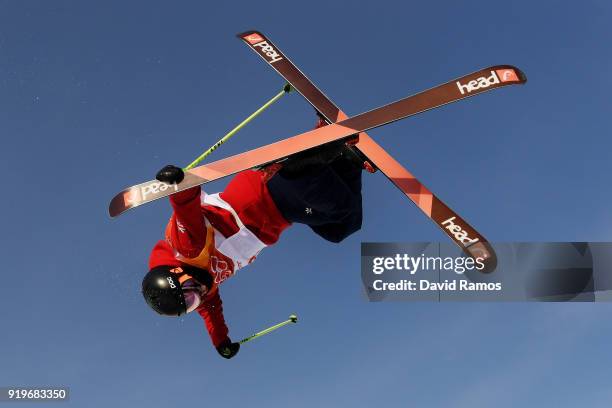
(220, 233)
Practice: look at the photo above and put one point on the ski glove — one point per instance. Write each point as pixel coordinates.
(170, 174)
(228, 349)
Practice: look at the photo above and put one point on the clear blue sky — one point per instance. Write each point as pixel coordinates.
(96, 96)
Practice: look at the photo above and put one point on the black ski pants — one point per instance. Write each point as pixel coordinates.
(327, 199)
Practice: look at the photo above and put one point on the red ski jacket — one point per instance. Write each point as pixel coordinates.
(248, 195)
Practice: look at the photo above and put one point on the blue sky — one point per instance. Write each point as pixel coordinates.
(97, 96)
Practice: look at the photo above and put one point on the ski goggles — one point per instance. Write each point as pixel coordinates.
(193, 291)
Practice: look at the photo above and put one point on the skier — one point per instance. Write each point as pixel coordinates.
(211, 236)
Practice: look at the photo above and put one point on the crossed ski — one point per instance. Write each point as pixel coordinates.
(341, 127)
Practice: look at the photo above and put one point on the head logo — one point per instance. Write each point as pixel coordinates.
(266, 50)
(253, 38)
(156, 187)
(176, 270)
(507, 75)
(478, 83)
(458, 232)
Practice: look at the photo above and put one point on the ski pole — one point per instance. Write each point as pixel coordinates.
(286, 89)
(292, 319)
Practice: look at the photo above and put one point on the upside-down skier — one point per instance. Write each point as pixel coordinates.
(211, 236)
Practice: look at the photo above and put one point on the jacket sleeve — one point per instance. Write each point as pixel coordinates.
(186, 231)
(212, 313)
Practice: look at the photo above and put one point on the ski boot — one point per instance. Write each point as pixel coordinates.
(351, 152)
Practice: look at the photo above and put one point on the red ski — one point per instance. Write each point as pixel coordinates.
(462, 233)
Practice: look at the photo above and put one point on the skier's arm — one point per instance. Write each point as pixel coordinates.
(212, 313)
(186, 231)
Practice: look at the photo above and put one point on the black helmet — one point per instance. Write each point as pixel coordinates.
(164, 293)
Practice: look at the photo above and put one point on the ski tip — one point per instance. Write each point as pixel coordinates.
(245, 34)
(484, 252)
(521, 75)
(115, 205)
(490, 265)
(521, 78)
(119, 204)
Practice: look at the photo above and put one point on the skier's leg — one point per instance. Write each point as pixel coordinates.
(317, 198)
(350, 174)
(328, 199)
(337, 232)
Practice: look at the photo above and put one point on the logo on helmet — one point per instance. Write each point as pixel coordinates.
(171, 282)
